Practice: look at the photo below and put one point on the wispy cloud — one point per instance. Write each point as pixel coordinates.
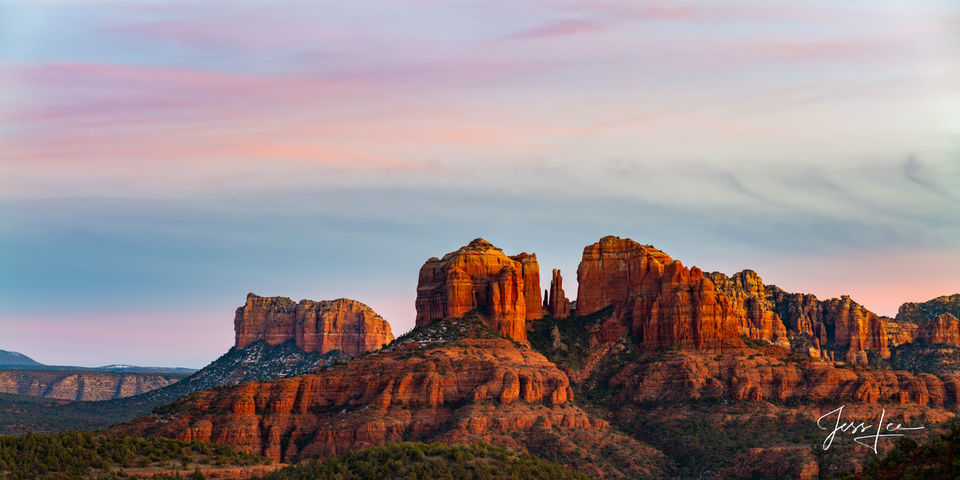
(558, 29)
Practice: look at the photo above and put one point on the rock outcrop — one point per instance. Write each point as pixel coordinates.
(767, 376)
(448, 381)
(923, 312)
(556, 303)
(933, 322)
(530, 271)
(840, 323)
(481, 277)
(942, 329)
(664, 303)
(342, 324)
(82, 384)
(748, 295)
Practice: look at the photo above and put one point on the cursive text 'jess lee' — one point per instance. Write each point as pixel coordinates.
(853, 428)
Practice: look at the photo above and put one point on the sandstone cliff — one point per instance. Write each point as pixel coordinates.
(481, 277)
(840, 323)
(748, 295)
(664, 303)
(934, 321)
(82, 384)
(342, 324)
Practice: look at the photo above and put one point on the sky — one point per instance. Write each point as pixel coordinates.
(160, 159)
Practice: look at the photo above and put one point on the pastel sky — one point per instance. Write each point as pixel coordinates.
(160, 159)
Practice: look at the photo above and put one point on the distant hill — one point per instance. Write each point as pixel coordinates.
(119, 367)
(16, 358)
(19, 361)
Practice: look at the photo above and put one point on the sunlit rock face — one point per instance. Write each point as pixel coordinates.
(664, 303)
(342, 324)
(479, 276)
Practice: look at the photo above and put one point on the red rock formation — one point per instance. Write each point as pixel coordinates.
(664, 303)
(342, 324)
(838, 322)
(920, 313)
(470, 390)
(899, 333)
(855, 328)
(746, 292)
(768, 376)
(530, 270)
(943, 329)
(555, 302)
(479, 276)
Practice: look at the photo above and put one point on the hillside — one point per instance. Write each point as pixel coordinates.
(402, 461)
(106, 457)
(8, 358)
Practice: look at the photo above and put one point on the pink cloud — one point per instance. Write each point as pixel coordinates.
(558, 29)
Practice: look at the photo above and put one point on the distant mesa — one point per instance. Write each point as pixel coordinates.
(324, 326)
(86, 385)
(479, 276)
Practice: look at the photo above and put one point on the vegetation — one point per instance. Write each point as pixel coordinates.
(575, 333)
(937, 459)
(86, 455)
(21, 414)
(422, 461)
(916, 357)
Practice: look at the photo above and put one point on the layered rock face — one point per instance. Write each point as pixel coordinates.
(943, 329)
(664, 303)
(692, 375)
(556, 304)
(342, 324)
(933, 322)
(838, 322)
(530, 271)
(481, 277)
(748, 294)
(474, 389)
(82, 385)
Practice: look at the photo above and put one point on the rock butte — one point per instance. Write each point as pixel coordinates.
(342, 324)
(479, 276)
